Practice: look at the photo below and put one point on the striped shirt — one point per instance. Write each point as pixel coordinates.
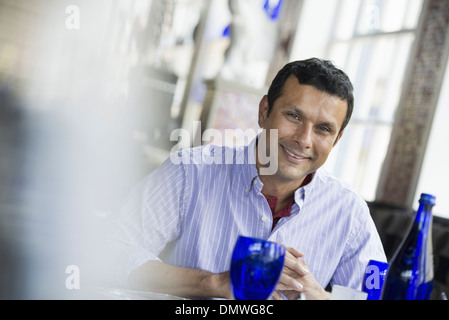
(190, 213)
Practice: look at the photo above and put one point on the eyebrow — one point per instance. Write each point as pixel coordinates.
(295, 109)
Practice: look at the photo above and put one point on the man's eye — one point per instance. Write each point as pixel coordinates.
(294, 116)
(324, 128)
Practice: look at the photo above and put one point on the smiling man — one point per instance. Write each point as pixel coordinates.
(180, 238)
(308, 123)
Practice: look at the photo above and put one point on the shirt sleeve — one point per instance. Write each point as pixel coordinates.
(149, 219)
(363, 244)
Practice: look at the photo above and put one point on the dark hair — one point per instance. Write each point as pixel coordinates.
(322, 75)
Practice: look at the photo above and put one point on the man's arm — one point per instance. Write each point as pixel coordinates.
(159, 277)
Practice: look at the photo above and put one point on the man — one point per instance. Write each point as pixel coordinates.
(181, 240)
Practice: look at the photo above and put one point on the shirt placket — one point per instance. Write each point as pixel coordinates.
(264, 217)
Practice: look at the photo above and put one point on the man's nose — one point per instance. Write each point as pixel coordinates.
(303, 136)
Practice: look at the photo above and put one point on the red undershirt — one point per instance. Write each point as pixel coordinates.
(284, 212)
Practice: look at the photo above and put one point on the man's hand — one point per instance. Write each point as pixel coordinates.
(296, 278)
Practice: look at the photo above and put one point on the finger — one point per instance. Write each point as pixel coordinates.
(291, 250)
(276, 295)
(303, 265)
(295, 264)
(294, 252)
(288, 283)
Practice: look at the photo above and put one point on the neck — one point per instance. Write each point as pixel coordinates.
(282, 190)
(276, 186)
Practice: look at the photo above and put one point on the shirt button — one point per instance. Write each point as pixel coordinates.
(264, 219)
(255, 182)
(246, 190)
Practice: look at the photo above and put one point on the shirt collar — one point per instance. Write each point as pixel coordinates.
(251, 175)
(302, 192)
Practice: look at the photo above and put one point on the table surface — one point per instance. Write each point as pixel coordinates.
(107, 293)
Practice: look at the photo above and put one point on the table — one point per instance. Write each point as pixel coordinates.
(110, 293)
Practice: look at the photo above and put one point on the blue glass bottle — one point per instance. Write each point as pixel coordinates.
(410, 276)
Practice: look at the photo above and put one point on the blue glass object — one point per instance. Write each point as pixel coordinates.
(374, 278)
(410, 276)
(256, 267)
(273, 8)
(227, 31)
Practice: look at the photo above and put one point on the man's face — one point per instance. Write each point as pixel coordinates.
(308, 123)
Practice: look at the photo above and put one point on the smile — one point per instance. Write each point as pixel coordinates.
(290, 155)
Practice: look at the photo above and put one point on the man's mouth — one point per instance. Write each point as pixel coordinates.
(294, 157)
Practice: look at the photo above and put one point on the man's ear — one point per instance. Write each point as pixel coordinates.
(263, 110)
(338, 138)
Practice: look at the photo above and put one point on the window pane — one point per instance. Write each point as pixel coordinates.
(339, 53)
(392, 15)
(388, 15)
(413, 12)
(376, 67)
(369, 17)
(380, 69)
(357, 159)
(314, 29)
(346, 18)
(434, 175)
(393, 76)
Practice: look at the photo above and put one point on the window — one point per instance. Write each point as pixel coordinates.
(434, 175)
(371, 42)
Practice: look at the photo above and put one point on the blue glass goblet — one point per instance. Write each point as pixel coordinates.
(256, 267)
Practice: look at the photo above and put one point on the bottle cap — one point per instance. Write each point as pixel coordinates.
(427, 199)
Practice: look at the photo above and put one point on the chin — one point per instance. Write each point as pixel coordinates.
(291, 175)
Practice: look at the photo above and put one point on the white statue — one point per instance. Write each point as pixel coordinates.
(253, 40)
